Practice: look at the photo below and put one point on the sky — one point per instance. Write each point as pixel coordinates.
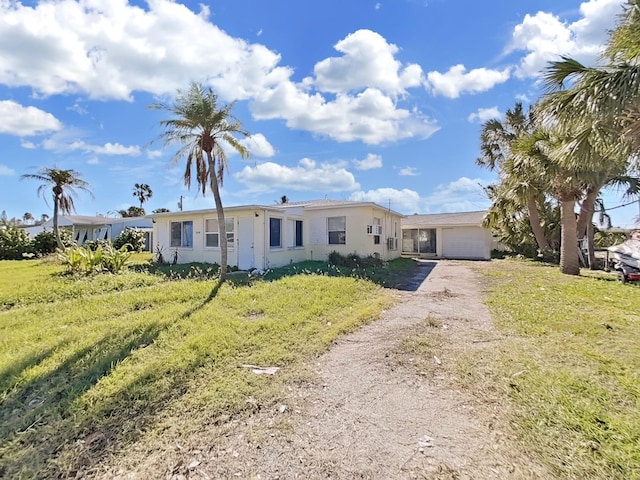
(377, 101)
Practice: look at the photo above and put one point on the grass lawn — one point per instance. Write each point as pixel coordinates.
(570, 366)
(90, 365)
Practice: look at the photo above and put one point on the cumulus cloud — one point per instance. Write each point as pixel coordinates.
(545, 37)
(64, 142)
(369, 163)
(369, 116)
(484, 114)
(457, 80)
(368, 61)
(308, 175)
(409, 172)
(6, 171)
(25, 121)
(402, 201)
(463, 194)
(258, 146)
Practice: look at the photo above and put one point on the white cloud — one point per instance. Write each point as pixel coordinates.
(93, 161)
(457, 80)
(154, 153)
(409, 172)
(28, 145)
(463, 194)
(368, 61)
(371, 162)
(6, 171)
(369, 116)
(258, 146)
(484, 114)
(307, 176)
(25, 121)
(546, 37)
(402, 201)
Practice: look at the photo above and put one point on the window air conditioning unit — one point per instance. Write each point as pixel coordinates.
(374, 229)
(392, 243)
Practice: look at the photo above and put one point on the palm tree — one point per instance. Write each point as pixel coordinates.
(44, 217)
(496, 140)
(143, 192)
(204, 128)
(63, 184)
(27, 217)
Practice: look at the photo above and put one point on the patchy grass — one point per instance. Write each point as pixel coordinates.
(570, 366)
(90, 367)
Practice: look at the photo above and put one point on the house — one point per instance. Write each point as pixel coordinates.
(262, 237)
(87, 228)
(447, 235)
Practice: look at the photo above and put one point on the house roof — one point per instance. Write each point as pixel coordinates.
(459, 219)
(328, 203)
(311, 205)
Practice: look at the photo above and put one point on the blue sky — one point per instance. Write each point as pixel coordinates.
(378, 101)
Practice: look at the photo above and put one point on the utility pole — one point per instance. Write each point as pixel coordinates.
(180, 203)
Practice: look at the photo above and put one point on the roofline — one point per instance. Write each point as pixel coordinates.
(351, 204)
(234, 208)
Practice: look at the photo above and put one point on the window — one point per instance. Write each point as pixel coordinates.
(275, 232)
(337, 228)
(295, 234)
(377, 231)
(212, 232)
(182, 234)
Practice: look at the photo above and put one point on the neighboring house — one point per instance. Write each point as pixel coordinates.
(447, 235)
(262, 237)
(86, 228)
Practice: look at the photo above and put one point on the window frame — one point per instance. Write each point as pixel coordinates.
(183, 234)
(343, 231)
(231, 237)
(295, 235)
(273, 246)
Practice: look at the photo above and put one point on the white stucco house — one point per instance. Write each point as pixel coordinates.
(447, 235)
(262, 237)
(87, 228)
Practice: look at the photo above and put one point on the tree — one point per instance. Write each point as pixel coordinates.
(203, 128)
(496, 140)
(44, 217)
(143, 192)
(63, 185)
(161, 210)
(132, 211)
(27, 217)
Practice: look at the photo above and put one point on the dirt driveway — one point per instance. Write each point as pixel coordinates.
(377, 409)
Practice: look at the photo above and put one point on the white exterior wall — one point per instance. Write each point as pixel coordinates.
(463, 242)
(357, 239)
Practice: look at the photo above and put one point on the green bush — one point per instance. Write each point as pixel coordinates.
(44, 243)
(607, 239)
(94, 244)
(131, 237)
(14, 242)
(353, 260)
(105, 258)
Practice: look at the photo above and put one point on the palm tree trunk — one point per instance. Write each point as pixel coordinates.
(569, 242)
(587, 208)
(222, 228)
(536, 225)
(56, 229)
(591, 252)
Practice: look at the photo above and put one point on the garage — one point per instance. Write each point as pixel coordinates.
(464, 242)
(458, 235)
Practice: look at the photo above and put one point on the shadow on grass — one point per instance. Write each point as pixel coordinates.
(37, 418)
(214, 292)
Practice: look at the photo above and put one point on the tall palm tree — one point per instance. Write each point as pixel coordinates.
(496, 140)
(204, 128)
(63, 185)
(27, 217)
(143, 192)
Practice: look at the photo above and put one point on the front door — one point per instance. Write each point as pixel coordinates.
(245, 243)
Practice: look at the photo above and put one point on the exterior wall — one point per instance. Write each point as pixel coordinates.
(456, 234)
(357, 239)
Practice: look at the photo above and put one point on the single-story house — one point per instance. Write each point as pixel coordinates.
(447, 235)
(87, 228)
(262, 237)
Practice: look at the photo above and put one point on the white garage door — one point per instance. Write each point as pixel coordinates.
(464, 242)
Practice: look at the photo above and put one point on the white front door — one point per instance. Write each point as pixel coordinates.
(245, 243)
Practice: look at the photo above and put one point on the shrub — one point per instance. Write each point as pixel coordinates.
(94, 244)
(83, 260)
(14, 242)
(353, 260)
(131, 237)
(44, 243)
